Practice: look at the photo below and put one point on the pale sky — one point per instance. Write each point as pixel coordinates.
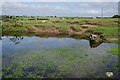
(92, 8)
(60, 0)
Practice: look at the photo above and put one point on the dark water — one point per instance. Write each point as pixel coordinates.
(96, 61)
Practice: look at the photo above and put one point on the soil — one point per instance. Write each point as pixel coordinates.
(55, 31)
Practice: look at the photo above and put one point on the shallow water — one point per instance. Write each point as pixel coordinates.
(37, 43)
(72, 57)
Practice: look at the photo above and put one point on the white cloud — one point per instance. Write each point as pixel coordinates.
(59, 9)
(27, 9)
(60, 0)
(33, 6)
(93, 11)
(105, 0)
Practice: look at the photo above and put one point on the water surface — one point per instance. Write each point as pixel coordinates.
(56, 57)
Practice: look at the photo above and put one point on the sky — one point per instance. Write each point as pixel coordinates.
(71, 9)
(60, 0)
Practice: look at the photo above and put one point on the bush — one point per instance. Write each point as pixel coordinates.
(116, 16)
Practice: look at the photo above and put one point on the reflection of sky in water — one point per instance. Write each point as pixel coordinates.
(94, 57)
(37, 43)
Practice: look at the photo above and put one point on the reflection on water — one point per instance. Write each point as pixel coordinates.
(94, 44)
(16, 39)
(56, 57)
(0, 37)
(36, 43)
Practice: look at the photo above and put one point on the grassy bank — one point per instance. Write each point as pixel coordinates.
(108, 27)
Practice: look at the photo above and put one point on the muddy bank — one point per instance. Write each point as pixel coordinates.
(54, 31)
(45, 34)
(83, 33)
(58, 32)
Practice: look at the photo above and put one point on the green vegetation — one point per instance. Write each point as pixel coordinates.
(48, 63)
(108, 27)
(54, 63)
(116, 16)
(59, 62)
(107, 31)
(0, 28)
(115, 51)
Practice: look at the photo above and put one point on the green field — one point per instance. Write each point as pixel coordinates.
(108, 27)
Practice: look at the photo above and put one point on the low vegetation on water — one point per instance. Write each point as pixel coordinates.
(53, 63)
(48, 63)
(115, 51)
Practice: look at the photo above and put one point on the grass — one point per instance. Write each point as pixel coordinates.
(64, 29)
(55, 62)
(107, 31)
(115, 51)
(107, 26)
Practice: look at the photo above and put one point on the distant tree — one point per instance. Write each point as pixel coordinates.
(116, 16)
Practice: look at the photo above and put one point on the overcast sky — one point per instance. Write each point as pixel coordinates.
(92, 9)
(60, 0)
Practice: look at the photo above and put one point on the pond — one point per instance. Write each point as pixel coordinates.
(36, 57)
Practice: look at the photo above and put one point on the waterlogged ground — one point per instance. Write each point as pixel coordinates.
(35, 57)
